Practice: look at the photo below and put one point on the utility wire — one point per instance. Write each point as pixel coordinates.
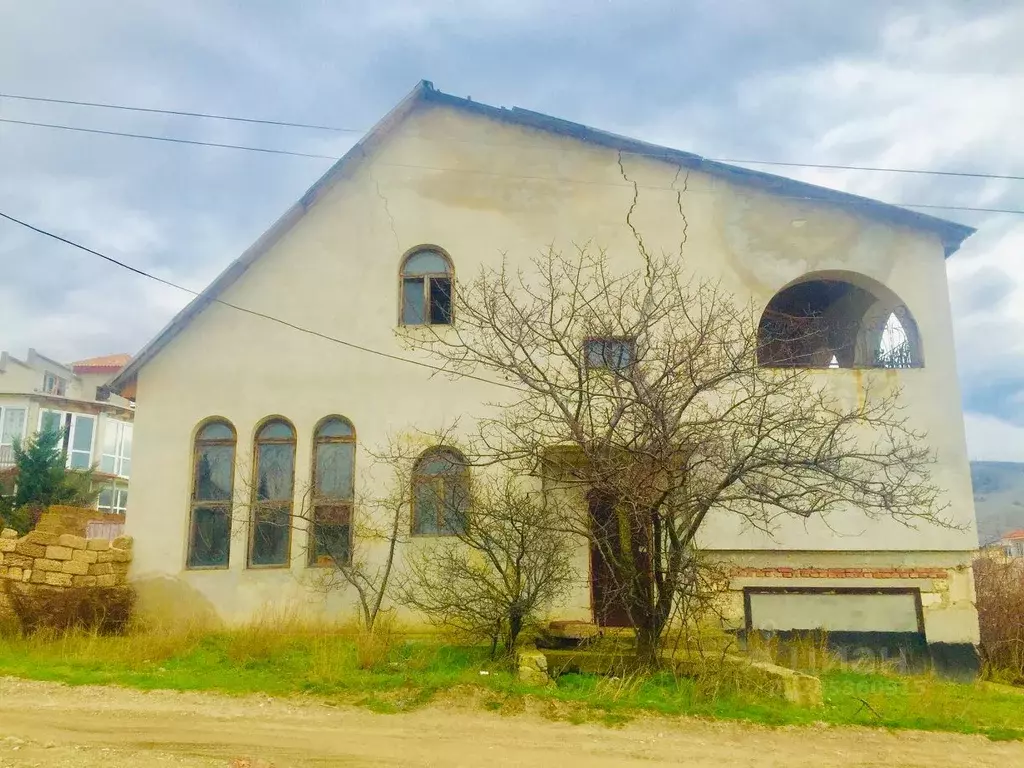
(268, 150)
(180, 113)
(288, 124)
(165, 138)
(255, 313)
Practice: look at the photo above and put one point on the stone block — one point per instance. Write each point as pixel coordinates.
(41, 537)
(3, 571)
(9, 533)
(75, 567)
(105, 557)
(83, 581)
(26, 574)
(28, 549)
(97, 545)
(70, 540)
(533, 667)
(54, 552)
(121, 555)
(15, 574)
(58, 579)
(100, 569)
(43, 564)
(8, 545)
(85, 556)
(105, 580)
(37, 577)
(123, 542)
(19, 560)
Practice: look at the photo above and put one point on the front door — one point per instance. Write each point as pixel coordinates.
(608, 600)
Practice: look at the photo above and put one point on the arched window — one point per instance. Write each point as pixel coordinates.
(426, 288)
(440, 493)
(830, 322)
(271, 518)
(213, 473)
(334, 460)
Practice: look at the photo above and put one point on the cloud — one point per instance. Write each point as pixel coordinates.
(931, 84)
(992, 439)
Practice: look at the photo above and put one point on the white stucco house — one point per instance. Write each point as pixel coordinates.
(444, 185)
(38, 393)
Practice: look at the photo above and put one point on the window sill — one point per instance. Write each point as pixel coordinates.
(268, 567)
(206, 567)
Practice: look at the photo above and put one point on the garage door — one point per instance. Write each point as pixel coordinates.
(849, 610)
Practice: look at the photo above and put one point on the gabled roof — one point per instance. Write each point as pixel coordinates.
(103, 364)
(1014, 535)
(950, 233)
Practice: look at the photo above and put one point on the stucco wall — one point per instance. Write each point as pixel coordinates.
(480, 189)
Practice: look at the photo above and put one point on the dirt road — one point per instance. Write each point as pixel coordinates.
(44, 724)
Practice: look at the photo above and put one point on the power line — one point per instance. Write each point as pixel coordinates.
(165, 138)
(255, 313)
(267, 150)
(180, 113)
(289, 124)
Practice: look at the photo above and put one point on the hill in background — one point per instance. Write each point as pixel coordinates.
(998, 497)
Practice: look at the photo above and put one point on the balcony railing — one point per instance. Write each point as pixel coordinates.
(6, 456)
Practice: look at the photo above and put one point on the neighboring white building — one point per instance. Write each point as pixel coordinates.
(229, 401)
(38, 393)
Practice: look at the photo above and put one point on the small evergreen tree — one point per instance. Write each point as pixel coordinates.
(42, 480)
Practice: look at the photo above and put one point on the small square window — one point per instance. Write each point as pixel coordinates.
(609, 354)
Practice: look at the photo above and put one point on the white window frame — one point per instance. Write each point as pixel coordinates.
(69, 423)
(118, 499)
(119, 457)
(24, 424)
(54, 384)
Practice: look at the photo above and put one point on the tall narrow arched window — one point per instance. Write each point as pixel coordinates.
(213, 472)
(426, 288)
(270, 524)
(440, 493)
(334, 460)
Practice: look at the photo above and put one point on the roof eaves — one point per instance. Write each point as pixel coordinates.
(951, 233)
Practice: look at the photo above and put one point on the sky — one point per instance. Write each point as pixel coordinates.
(923, 84)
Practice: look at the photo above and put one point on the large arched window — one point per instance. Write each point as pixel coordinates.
(270, 523)
(213, 472)
(440, 493)
(837, 321)
(334, 460)
(426, 288)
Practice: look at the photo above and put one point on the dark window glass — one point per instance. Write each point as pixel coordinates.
(440, 301)
(611, 354)
(270, 524)
(426, 289)
(210, 537)
(334, 488)
(440, 493)
(209, 540)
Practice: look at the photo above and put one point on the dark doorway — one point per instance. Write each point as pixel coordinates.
(607, 597)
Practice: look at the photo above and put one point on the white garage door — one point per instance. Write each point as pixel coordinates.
(834, 612)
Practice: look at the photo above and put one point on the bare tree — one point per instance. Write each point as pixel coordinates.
(640, 391)
(351, 538)
(507, 562)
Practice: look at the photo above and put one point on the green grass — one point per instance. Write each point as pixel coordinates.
(388, 675)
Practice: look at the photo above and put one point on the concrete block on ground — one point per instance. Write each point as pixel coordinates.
(9, 533)
(532, 667)
(8, 545)
(123, 542)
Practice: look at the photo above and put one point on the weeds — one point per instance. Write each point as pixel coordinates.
(389, 672)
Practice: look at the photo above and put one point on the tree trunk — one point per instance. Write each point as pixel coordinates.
(648, 642)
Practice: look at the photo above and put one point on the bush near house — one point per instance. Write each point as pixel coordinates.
(1000, 599)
